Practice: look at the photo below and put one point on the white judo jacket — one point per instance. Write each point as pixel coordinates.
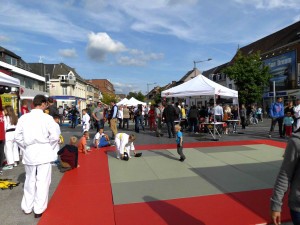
(123, 144)
(37, 136)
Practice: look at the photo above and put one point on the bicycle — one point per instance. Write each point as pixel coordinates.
(252, 119)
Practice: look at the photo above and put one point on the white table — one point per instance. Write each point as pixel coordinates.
(212, 128)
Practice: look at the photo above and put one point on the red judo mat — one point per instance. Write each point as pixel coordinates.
(84, 197)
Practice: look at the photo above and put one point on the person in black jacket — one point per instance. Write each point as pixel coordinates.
(53, 110)
(169, 116)
(69, 155)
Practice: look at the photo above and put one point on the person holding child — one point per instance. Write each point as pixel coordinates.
(179, 141)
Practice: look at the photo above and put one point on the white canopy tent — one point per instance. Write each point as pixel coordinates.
(134, 102)
(122, 102)
(7, 80)
(200, 86)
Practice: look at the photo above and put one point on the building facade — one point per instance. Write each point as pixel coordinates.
(105, 86)
(31, 83)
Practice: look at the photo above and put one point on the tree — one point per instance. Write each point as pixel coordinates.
(108, 98)
(250, 75)
(137, 95)
(157, 97)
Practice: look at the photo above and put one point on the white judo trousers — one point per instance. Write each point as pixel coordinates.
(36, 188)
(11, 148)
(123, 144)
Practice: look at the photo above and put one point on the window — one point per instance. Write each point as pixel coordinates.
(230, 86)
(10, 60)
(64, 91)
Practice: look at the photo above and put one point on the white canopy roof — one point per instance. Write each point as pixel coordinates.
(7, 80)
(123, 101)
(134, 102)
(198, 86)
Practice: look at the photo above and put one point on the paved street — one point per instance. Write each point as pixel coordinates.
(11, 213)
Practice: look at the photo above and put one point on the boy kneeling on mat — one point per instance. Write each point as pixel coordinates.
(101, 139)
(124, 144)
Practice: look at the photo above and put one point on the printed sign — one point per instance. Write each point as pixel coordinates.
(283, 70)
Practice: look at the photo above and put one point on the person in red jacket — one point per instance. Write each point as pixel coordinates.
(2, 137)
(151, 117)
(24, 107)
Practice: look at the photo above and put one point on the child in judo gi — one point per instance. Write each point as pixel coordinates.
(179, 141)
(101, 139)
(124, 143)
(85, 121)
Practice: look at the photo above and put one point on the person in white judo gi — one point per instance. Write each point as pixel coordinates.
(37, 136)
(85, 121)
(124, 143)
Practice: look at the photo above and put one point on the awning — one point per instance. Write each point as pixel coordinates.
(30, 94)
(7, 80)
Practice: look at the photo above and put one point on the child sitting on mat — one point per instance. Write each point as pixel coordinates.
(101, 139)
(69, 155)
(82, 144)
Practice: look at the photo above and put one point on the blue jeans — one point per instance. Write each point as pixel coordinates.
(295, 217)
(100, 124)
(139, 121)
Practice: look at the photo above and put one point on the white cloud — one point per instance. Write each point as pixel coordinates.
(271, 4)
(296, 18)
(101, 44)
(139, 58)
(125, 88)
(4, 38)
(49, 22)
(68, 53)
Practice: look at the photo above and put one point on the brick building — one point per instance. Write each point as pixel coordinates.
(105, 86)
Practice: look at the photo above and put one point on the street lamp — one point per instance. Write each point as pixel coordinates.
(195, 62)
(148, 84)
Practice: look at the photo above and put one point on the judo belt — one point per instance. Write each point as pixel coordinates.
(10, 130)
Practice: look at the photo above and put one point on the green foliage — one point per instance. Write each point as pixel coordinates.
(108, 98)
(250, 76)
(137, 95)
(157, 97)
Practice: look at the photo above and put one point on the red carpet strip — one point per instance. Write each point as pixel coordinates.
(83, 196)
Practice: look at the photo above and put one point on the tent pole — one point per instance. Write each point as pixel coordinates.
(214, 117)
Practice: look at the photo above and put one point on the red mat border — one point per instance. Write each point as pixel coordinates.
(84, 196)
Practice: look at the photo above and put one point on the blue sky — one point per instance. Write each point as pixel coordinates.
(138, 42)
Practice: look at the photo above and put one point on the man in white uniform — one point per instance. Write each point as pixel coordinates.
(37, 137)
